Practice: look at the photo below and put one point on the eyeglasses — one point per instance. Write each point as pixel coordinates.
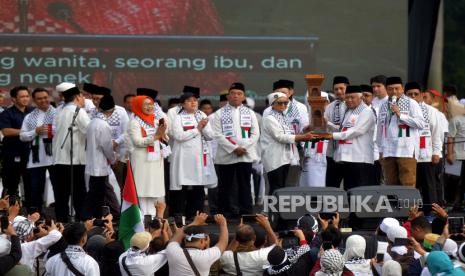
(282, 103)
(413, 94)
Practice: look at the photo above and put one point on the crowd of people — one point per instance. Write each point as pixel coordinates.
(314, 246)
(383, 133)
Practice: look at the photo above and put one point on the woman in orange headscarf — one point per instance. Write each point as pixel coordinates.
(145, 152)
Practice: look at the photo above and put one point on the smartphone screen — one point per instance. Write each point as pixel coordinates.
(455, 224)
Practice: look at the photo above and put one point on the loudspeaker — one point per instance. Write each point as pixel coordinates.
(382, 201)
(288, 204)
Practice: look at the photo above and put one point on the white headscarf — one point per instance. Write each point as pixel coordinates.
(391, 268)
(354, 256)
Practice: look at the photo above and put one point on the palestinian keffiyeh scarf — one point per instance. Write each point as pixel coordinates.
(424, 133)
(188, 124)
(227, 123)
(31, 124)
(386, 115)
(115, 123)
(157, 111)
(331, 262)
(288, 129)
(293, 115)
(336, 116)
(146, 130)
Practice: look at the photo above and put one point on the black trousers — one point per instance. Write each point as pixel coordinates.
(188, 201)
(357, 174)
(34, 193)
(235, 187)
(334, 173)
(427, 182)
(12, 170)
(95, 197)
(111, 201)
(377, 173)
(62, 191)
(277, 178)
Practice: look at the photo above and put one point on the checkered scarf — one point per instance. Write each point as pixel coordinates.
(114, 121)
(292, 113)
(23, 228)
(157, 111)
(385, 113)
(292, 256)
(31, 122)
(280, 117)
(226, 114)
(332, 262)
(143, 124)
(336, 116)
(424, 111)
(198, 117)
(355, 111)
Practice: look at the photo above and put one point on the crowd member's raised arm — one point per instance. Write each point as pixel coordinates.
(224, 235)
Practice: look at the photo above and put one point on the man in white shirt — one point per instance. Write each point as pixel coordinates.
(99, 156)
(196, 253)
(430, 145)
(399, 121)
(73, 261)
(72, 111)
(37, 129)
(367, 93)
(456, 151)
(136, 261)
(236, 129)
(250, 260)
(32, 249)
(378, 85)
(333, 115)
(128, 103)
(355, 140)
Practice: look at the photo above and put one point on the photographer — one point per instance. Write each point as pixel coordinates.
(38, 242)
(73, 261)
(136, 261)
(196, 257)
(8, 261)
(242, 255)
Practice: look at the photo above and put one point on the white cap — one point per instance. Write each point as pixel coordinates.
(388, 222)
(396, 231)
(450, 247)
(64, 86)
(274, 96)
(250, 102)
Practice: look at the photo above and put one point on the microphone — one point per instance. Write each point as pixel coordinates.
(394, 99)
(63, 11)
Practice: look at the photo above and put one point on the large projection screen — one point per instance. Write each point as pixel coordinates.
(166, 44)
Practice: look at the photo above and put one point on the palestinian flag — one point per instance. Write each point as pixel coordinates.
(131, 217)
